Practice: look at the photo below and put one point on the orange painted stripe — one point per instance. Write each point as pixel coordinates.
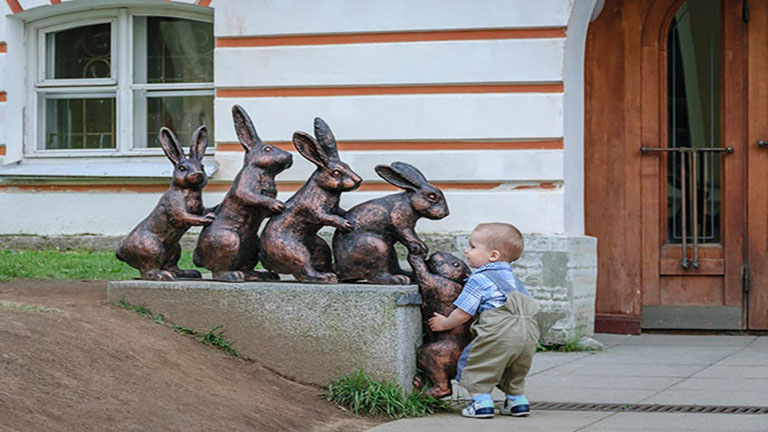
(15, 6)
(204, 3)
(542, 185)
(556, 144)
(387, 90)
(3, 47)
(3, 96)
(53, 2)
(2, 150)
(383, 37)
(219, 187)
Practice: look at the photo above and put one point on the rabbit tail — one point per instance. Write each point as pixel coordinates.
(119, 252)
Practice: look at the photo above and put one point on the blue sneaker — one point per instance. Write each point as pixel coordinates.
(517, 407)
(478, 409)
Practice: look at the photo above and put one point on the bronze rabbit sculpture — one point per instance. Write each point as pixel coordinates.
(229, 246)
(368, 252)
(440, 279)
(153, 246)
(289, 242)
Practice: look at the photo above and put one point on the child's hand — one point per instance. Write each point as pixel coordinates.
(437, 322)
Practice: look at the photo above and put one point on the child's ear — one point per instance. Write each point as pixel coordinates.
(495, 256)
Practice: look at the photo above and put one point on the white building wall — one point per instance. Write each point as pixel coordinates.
(435, 72)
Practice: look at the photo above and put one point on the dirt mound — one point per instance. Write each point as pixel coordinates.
(71, 361)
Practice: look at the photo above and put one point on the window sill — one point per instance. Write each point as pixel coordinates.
(81, 169)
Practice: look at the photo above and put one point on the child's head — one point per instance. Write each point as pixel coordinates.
(494, 242)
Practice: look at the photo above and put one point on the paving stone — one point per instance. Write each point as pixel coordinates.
(657, 422)
(539, 421)
(606, 382)
(689, 340)
(734, 372)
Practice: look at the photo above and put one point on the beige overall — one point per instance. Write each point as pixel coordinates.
(502, 350)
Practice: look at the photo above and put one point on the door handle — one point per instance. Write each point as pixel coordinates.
(762, 143)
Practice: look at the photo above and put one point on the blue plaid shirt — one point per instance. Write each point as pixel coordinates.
(480, 293)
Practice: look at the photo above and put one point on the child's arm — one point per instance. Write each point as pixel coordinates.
(441, 323)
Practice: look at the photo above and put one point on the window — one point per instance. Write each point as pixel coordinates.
(106, 81)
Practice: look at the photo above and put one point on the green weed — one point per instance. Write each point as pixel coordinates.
(364, 395)
(70, 264)
(143, 311)
(570, 345)
(178, 328)
(218, 340)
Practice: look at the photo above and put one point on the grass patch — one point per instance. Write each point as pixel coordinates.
(143, 311)
(24, 307)
(571, 345)
(71, 264)
(363, 395)
(213, 338)
(218, 340)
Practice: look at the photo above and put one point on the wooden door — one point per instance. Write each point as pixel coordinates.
(692, 204)
(756, 286)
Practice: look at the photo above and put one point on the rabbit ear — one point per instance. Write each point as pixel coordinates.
(310, 149)
(410, 173)
(393, 177)
(326, 139)
(171, 145)
(246, 133)
(199, 143)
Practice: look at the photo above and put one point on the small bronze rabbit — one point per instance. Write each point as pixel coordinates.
(440, 280)
(289, 242)
(229, 247)
(153, 246)
(368, 252)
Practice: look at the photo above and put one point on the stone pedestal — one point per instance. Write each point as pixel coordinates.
(311, 333)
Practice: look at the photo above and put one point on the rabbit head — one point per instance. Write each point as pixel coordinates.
(257, 153)
(333, 174)
(448, 266)
(426, 199)
(188, 172)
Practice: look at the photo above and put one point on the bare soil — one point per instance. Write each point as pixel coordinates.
(94, 366)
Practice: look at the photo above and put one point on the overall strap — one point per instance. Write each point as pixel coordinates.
(499, 280)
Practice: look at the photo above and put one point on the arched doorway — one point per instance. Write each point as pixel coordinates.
(678, 245)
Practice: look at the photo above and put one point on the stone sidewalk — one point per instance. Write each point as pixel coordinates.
(646, 369)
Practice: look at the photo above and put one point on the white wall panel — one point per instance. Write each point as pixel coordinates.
(488, 61)
(118, 213)
(29, 4)
(444, 116)
(456, 165)
(270, 17)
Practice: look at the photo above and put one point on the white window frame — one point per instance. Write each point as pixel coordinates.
(121, 84)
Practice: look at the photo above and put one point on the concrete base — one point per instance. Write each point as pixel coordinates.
(309, 332)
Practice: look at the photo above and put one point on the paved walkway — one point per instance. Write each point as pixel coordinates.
(646, 369)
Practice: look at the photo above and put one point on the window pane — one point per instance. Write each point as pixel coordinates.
(82, 52)
(80, 123)
(182, 114)
(179, 50)
(693, 102)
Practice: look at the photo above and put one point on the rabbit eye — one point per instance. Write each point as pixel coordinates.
(336, 173)
(456, 265)
(182, 168)
(432, 196)
(267, 149)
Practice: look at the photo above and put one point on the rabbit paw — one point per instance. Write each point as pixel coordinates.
(209, 217)
(329, 278)
(417, 248)
(277, 207)
(346, 226)
(158, 275)
(418, 383)
(229, 276)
